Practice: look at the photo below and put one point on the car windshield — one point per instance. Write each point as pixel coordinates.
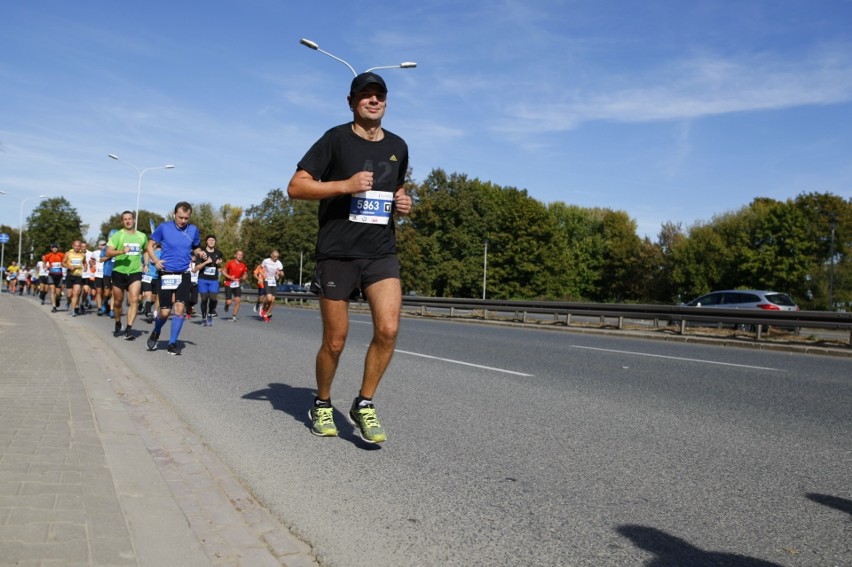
(780, 299)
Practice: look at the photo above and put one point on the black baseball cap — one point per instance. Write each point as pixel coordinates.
(360, 82)
(54, 245)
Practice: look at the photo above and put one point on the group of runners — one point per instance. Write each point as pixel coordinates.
(127, 273)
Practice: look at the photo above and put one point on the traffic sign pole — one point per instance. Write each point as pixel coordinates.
(4, 238)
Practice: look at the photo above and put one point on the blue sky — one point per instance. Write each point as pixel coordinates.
(668, 110)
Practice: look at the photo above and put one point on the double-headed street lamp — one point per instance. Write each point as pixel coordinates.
(139, 186)
(21, 222)
(315, 47)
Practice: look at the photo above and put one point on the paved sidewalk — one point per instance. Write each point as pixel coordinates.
(95, 469)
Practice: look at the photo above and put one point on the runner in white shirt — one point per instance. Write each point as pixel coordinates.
(88, 275)
(42, 280)
(273, 270)
(97, 266)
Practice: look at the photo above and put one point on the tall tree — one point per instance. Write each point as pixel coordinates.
(54, 220)
(290, 226)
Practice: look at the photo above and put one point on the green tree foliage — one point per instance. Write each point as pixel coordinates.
(580, 242)
(775, 252)
(11, 247)
(819, 210)
(454, 217)
(557, 251)
(663, 287)
(53, 220)
(286, 225)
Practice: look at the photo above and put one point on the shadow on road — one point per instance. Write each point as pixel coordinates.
(672, 551)
(296, 402)
(831, 501)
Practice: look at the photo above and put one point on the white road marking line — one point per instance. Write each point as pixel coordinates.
(464, 363)
(680, 358)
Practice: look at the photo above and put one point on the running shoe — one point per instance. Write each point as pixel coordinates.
(117, 331)
(367, 423)
(128, 335)
(322, 418)
(234, 318)
(204, 322)
(74, 314)
(255, 308)
(173, 349)
(265, 317)
(210, 320)
(227, 306)
(151, 343)
(53, 310)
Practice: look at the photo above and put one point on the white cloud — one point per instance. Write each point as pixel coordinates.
(696, 88)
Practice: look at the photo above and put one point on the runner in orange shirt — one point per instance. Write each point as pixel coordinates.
(235, 272)
(261, 291)
(53, 264)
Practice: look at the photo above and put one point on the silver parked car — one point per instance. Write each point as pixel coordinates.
(746, 299)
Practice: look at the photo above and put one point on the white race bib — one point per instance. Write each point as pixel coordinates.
(234, 284)
(147, 278)
(210, 271)
(170, 281)
(371, 207)
(133, 249)
(270, 282)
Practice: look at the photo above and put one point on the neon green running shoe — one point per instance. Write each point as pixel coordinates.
(367, 423)
(323, 421)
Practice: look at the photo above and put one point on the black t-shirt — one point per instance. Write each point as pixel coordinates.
(210, 271)
(337, 156)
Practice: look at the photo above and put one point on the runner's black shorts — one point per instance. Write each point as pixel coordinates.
(232, 292)
(153, 286)
(170, 294)
(346, 279)
(123, 281)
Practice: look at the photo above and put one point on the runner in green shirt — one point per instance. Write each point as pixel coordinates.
(126, 246)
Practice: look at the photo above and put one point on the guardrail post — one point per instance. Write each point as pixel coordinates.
(683, 326)
(621, 322)
(452, 312)
(759, 333)
(567, 319)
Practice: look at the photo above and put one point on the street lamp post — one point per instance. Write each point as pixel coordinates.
(484, 268)
(139, 174)
(312, 45)
(832, 221)
(21, 222)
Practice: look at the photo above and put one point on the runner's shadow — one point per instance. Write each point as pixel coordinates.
(296, 402)
(671, 551)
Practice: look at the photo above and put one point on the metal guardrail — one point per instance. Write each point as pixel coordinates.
(562, 312)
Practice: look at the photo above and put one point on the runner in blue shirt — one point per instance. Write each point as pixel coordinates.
(179, 240)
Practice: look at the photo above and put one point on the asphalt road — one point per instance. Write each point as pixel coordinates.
(513, 446)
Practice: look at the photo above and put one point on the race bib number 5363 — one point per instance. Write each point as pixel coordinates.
(372, 207)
